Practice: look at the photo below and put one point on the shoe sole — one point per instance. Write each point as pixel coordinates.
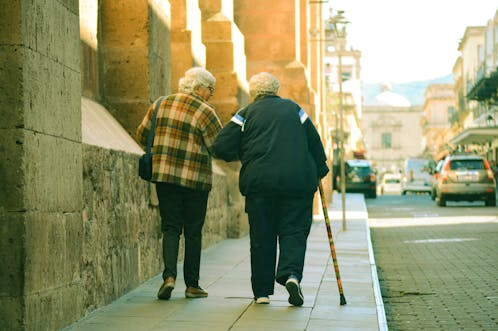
(263, 301)
(165, 292)
(295, 296)
(195, 296)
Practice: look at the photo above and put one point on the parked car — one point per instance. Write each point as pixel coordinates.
(360, 178)
(466, 178)
(418, 175)
(390, 184)
(437, 172)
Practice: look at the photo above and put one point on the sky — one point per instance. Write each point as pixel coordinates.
(410, 40)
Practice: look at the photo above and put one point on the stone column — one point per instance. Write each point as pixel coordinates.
(225, 56)
(135, 58)
(187, 49)
(40, 165)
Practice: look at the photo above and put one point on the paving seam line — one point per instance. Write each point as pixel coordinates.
(381, 313)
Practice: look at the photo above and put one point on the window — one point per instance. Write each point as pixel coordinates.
(386, 139)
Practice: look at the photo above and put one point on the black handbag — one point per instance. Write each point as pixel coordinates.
(145, 161)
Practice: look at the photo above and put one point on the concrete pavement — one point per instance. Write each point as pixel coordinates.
(225, 274)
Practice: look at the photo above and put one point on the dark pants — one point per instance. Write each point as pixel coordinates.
(287, 220)
(182, 208)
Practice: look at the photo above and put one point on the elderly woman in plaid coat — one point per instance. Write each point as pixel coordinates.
(186, 127)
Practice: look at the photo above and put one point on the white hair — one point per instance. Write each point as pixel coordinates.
(195, 77)
(263, 83)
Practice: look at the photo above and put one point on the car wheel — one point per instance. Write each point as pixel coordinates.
(373, 195)
(403, 193)
(440, 201)
(433, 194)
(491, 201)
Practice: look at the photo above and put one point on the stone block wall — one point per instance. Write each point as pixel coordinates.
(121, 227)
(40, 164)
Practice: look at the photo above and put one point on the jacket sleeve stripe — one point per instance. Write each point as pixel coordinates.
(239, 120)
(302, 116)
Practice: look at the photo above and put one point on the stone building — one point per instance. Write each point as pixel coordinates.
(476, 81)
(78, 228)
(392, 130)
(438, 108)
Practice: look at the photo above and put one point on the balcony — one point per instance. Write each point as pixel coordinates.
(486, 88)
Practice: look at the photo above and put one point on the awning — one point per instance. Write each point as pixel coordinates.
(476, 136)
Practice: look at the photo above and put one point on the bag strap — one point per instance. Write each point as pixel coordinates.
(150, 138)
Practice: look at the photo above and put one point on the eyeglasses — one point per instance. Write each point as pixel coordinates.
(211, 89)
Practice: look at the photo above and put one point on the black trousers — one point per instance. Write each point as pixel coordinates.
(182, 208)
(287, 220)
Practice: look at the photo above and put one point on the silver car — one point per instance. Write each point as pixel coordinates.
(465, 178)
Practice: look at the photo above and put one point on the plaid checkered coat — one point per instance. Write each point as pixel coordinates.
(186, 127)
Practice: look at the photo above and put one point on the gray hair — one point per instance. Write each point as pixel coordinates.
(263, 84)
(195, 77)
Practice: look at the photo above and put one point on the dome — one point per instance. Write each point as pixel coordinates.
(389, 98)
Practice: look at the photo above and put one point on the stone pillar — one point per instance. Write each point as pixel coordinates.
(187, 49)
(135, 58)
(272, 42)
(225, 56)
(40, 165)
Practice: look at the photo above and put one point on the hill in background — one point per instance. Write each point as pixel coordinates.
(413, 91)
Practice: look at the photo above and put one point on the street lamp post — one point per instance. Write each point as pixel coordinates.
(339, 23)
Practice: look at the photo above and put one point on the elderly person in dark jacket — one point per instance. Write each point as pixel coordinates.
(282, 161)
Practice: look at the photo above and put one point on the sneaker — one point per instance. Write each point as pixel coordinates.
(195, 292)
(262, 300)
(295, 295)
(165, 290)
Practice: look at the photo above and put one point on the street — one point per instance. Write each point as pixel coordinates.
(437, 267)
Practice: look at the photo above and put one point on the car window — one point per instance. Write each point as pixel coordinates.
(419, 165)
(466, 165)
(357, 171)
(392, 181)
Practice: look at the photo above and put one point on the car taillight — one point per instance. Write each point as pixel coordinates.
(489, 171)
(444, 172)
(372, 177)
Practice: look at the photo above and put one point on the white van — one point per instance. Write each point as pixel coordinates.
(418, 175)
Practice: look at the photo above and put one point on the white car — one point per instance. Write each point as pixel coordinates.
(390, 184)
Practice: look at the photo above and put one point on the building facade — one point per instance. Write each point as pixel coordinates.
(344, 95)
(438, 108)
(392, 131)
(478, 122)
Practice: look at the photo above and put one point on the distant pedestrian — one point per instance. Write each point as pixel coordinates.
(282, 161)
(186, 127)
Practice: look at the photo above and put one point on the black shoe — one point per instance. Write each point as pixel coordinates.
(295, 295)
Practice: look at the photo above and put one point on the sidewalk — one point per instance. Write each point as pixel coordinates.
(225, 274)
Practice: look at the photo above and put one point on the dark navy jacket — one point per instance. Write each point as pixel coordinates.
(278, 146)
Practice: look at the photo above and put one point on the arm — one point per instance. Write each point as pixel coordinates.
(144, 128)
(211, 129)
(227, 143)
(315, 146)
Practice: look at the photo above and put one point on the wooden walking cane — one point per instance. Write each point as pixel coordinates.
(331, 242)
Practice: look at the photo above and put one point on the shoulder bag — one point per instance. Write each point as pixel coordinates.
(145, 161)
